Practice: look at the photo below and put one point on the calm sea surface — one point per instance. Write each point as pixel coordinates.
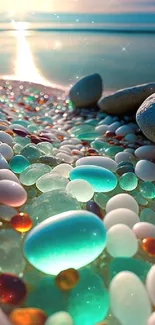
(123, 58)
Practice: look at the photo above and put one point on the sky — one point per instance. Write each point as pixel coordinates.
(80, 6)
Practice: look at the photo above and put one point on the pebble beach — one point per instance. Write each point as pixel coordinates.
(77, 204)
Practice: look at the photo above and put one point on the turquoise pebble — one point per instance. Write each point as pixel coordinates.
(112, 151)
(89, 300)
(88, 136)
(30, 174)
(30, 152)
(147, 189)
(128, 181)
(84, 128)
(98, 145)
(147, 215)
(139, 267)
(101, 179)
(65, 241)
(18, 163)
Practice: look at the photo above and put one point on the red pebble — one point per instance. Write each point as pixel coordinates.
(12, 289)
(21, 222)
(148, 245)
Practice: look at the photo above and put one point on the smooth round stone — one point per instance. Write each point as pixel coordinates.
(101, 179)
(129, 299)
(144, 230)
(121, 241)
(125, 169)
(3, 163)
(63, 170)
(113, 150)
(150, 284)
(83, 128)
(128, 181)
(6, 138)
(114, 126)
(7, 212)
(145, 170)
(122, 201)
(98, 145)
(89, 301)
(52, 203)
(4, 319)
(22, 141)
(11, 254)
(80, 189)
(17, 148)
(8, 174)
(12, 193)
(145, 117)
(6, 151)
(88, 136)
(139, 198)
(151, 319)
(101, 129)
(147, 215)
(51, 181)
(62, 247)
(31, 152)
(124, 156)
(138, 267)
(32, 173)
(123, 216)
(131, 138)
(59, 318)
(65, 157)
(18, 163)
(147, 190)
(145, 152)
(45, 147)
(101, 199)
(124, 130)
(50, 160)
(105, 162)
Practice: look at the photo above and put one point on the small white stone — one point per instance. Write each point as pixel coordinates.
(114, 126)
(145, 152)
(145, 170)
(124, 156)
(3, 163)
(65, 157)
(122, 200)
(80, 189)
(6, 151)
(144, 230)
(123, 216)
(104, 162)
(6, 138)
(63, 169)
(59, 318)
(150, 284)
(4, 319)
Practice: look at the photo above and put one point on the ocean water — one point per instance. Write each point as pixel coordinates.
(60, 49)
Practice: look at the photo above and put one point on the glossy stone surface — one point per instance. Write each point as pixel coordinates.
(50, 182)
(100, 161)
(18, 163)
(73, 246)
(67, 279)
(122, 200)
(147, 190)
(21, 222)
(12, 193)
(101, 179)
(150, 284)
(80, 189)
(59, 318)
(12, 289)
(120, 216)
(148, 245)
(32, 173)
(27, 316)
(128, 181)
(89, 300)
(129, 300)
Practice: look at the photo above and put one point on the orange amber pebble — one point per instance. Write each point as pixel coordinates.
(21, 222)
(148, 245)
(28, 316)
(12, 289)
(67, 279)
(10, 132)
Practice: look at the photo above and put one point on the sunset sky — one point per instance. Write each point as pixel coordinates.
(92, 6)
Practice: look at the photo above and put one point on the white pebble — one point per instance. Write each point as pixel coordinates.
(6, 151)
(129, 300)
(150, 284)
(145, 170)
(59, 318)
(123, 216)
(65, 157)
(101, 129)
(124, 156)
(123, 130)
(144, 230)
(63, 169)
(104, 162)
(121, 241)
(6, 138)
(4, 319)
(122, 201)
(8, 174)
(3, 163)
(145, 152)
(151, 320)
(80, 189)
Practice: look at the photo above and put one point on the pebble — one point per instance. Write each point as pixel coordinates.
(105, 162)
(123, 216)
(144, 230)
(6, 138)
(101, 179)
(7, 212)
(59, 318)
(51, 181)
(151, 320)
(126, 101)
(145, 117)
(145, 152)
(145, 170)
(32, 173)
(124, 156)
(129, 299)
(150, 284)
(63, 169)
(122, 201)
(65, 157)
(3, 163)
(12, 193)
(4, 319)
(9, 175)
(124, 130)
(72, 246)
(80, 189)
(121, 241)
(84, 94)
(6, 151)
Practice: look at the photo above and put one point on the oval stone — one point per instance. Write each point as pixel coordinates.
(145, 170)
(145, 152)
(101, 179)
(69, 240)
(59, 318)
(144, 230)
(151, 320)
(150, 284)
(12, 193)
(129, 299)
(122, 201)
(105, 162)
(123, 216)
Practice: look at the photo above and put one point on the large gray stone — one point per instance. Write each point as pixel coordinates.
(87, 91)
(126, 101)
(145, 117)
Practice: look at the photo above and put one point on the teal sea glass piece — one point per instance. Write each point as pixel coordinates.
(30, 152)
(113, 150)
(83, 128)
(147, 215)
(88, 136)
(128, 181)
(30, 174)
(65, 241)
(147, 190)
(18, 163)
(139, 267)
(89, 300)
(101, 179)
